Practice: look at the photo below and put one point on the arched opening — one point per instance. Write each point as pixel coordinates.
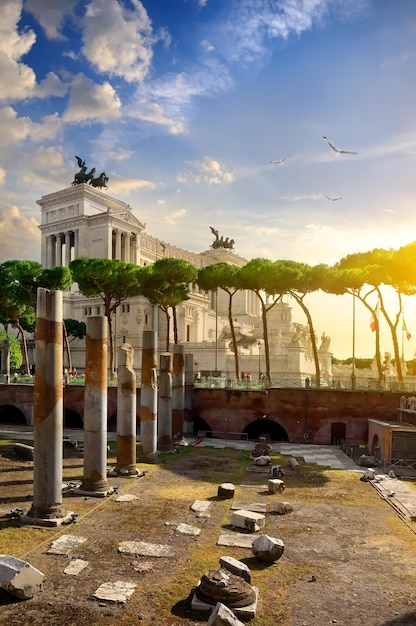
(72, 419)
(201, 426)
(11, 415)
(266, 428)
(338, 433)
(375, 448)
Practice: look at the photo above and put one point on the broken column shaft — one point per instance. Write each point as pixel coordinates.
(126, 412)
(164, 442)
(178, 390)
(148, 409)
(188, 423)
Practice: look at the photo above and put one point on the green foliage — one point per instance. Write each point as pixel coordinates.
(75, 329)
(16, 358)
(360, 364)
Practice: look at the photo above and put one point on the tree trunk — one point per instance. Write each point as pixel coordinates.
(233, 337)
(24, 348)
(67, 349)
(312, 336)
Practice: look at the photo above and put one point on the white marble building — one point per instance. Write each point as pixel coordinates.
(82, 221)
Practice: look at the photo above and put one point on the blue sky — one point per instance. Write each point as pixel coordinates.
(184, 103)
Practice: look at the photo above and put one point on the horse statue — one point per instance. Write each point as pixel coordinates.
(82, 176)
(100, 181)
(219, 241)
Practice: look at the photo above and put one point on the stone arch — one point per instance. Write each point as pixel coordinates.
(375, 448)
(10, 414)
(72, 419)
(200, 425)
(272, 430)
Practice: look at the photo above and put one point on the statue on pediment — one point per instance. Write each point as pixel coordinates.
(220, 242)
(83, 176)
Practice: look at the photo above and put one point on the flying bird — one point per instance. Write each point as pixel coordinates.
(332, 199)
(281, 160)
(335, 149)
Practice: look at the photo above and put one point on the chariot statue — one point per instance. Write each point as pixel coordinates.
(83, 176)
(219, 242)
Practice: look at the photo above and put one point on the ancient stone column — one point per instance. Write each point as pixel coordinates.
(178, 391)
(148, 409)
(164, 442)
(188, 422)
(5, 361)
(126, 412)
(95, 409)
(47, 507)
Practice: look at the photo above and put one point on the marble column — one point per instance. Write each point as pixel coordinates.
(178, 391)
(164, 441)
(148, 409)
(188, 423)
(59, 239)
(126, 412)
(47, 508)
(118, 245)
(95, 409)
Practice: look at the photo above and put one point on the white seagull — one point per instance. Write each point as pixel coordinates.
(335, 149)
(332, 199)
(281, 160)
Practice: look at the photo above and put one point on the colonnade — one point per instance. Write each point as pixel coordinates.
(63, 247)
(124, 246)
(59, 248)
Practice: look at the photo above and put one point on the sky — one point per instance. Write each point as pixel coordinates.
(185, 104)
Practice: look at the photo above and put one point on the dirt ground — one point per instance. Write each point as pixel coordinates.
(348, 560)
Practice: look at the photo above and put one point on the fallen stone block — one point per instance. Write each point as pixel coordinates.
(236, 567)
(65, 545)
(281, 508)
(267, 548)
(294, 464)
(262, 460)
(200, 506)
(119, 591)
(249, 520)
(238, 540)
(226, 491)
(277, 471)
(19, 578)
(223, 616)
(75, 567)
(146, 549)
(275, 485)
(187, 529)
(24, 451)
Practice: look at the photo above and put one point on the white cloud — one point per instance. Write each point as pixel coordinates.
(174, 217)
(206, 45)
(154, 113)
(123, 186)
(210, 172)
(119, 41)
(89, 101)
(2, 176)
(51, 15)
(14, 129)
(20, 236)
(18, 80)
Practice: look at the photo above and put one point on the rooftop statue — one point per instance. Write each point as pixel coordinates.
(219, 242)
(82, 176)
